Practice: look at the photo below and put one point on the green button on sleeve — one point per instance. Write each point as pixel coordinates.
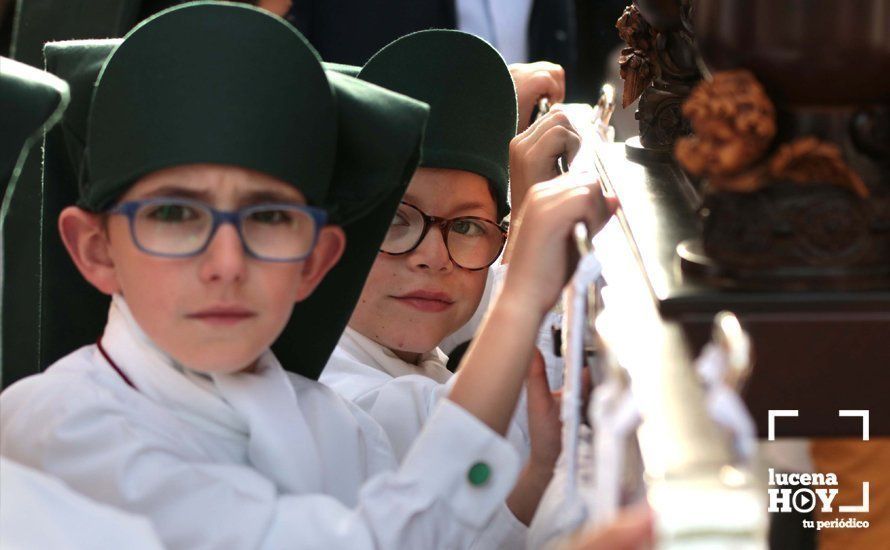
(479, 474)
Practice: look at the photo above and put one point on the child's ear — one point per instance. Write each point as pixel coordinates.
(87, 243)
(325, 255)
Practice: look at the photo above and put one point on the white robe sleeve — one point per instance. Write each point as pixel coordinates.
(403, 405)
(103, 450)
(37, 511)
(422, 505)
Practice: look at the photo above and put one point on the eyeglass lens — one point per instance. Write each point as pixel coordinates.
(472, 243)
(275, 232)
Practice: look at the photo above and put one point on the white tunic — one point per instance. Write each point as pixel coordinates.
(37, 511)
(266, 459)
(400, 396)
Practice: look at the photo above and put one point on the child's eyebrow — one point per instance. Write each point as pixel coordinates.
(468, 205)
(471, 205)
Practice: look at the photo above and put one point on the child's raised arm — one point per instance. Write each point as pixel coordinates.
(495, 366)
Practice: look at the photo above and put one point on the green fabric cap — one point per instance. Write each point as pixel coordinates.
(165, 98)
(374, 134)
(79, 61)
(471, 97)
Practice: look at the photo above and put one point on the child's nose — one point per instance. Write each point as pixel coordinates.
(225, 258)
(431, 253)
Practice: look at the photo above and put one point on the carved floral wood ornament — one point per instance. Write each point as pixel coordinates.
(658, 67)
(791, 177)
(734, 124)
(774, 206)
(635, 67)
(809, 160)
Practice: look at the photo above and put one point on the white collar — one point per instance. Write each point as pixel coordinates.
(367, 351)
(260, 405)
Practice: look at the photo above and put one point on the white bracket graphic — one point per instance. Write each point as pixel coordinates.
(861, 508)
(771, 424)
(858, 412)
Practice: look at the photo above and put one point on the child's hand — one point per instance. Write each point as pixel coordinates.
(534, 153)
(539, 253)
(545, 432)
(496, 363)
(534, 81)
(544, 425)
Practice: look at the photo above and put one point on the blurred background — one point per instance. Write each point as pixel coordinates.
(580, 35)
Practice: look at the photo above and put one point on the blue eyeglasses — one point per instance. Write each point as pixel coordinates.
(181, 228)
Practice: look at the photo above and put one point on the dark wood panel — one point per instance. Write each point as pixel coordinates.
(816, 351)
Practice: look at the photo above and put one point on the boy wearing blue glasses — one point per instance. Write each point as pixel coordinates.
(245, 239)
